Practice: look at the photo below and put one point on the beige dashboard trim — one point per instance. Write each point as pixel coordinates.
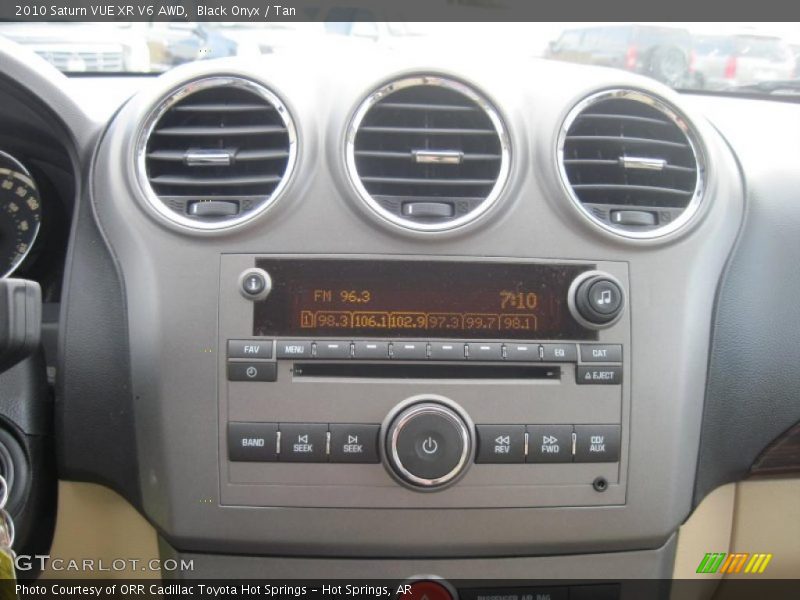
(95, 523)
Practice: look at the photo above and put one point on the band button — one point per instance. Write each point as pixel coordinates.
(252, 441)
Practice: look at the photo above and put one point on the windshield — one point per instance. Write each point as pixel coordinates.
(696, 56)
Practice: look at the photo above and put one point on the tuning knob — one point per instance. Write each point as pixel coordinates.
(596, 299)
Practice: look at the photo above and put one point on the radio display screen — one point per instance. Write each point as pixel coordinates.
(417, 299)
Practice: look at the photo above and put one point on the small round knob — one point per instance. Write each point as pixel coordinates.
(428, 445)
(596, 299)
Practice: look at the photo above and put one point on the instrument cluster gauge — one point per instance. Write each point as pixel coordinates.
(20, 213)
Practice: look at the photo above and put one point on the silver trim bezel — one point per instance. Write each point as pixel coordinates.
(21, 172)
(399, 417)
(674, 115)
(433, 80)
(154, 203)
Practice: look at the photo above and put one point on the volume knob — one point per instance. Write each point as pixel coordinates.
(428, 445)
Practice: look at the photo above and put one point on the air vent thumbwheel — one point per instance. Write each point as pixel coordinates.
(596, 299)
(427, 153)
(632, 164)
(215, 153)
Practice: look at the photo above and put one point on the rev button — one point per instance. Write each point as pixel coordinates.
(500, 444)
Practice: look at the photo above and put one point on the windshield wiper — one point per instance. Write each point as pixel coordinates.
(778, 86)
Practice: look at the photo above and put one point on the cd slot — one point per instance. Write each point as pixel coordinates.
(424, 371)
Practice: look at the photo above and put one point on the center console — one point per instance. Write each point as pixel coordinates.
(362, 382)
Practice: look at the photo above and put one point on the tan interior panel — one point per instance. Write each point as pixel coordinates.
(96, 524)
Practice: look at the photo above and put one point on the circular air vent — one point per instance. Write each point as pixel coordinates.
(215, 153)
(631, 163)
(427, 153)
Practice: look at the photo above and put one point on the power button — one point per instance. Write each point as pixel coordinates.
(428, 445)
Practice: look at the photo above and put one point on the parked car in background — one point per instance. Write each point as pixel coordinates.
(730, 61)
(663, 53)
(84, 47)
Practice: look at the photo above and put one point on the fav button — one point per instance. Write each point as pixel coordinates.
(301, 442)
(500, 444)
(357, 443)
(252, 441)
(249, 348)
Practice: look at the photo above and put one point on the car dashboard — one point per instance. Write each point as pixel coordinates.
(322, 312)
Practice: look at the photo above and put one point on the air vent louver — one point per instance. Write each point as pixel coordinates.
(216, 153)
(427, 153)
(631, 163)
